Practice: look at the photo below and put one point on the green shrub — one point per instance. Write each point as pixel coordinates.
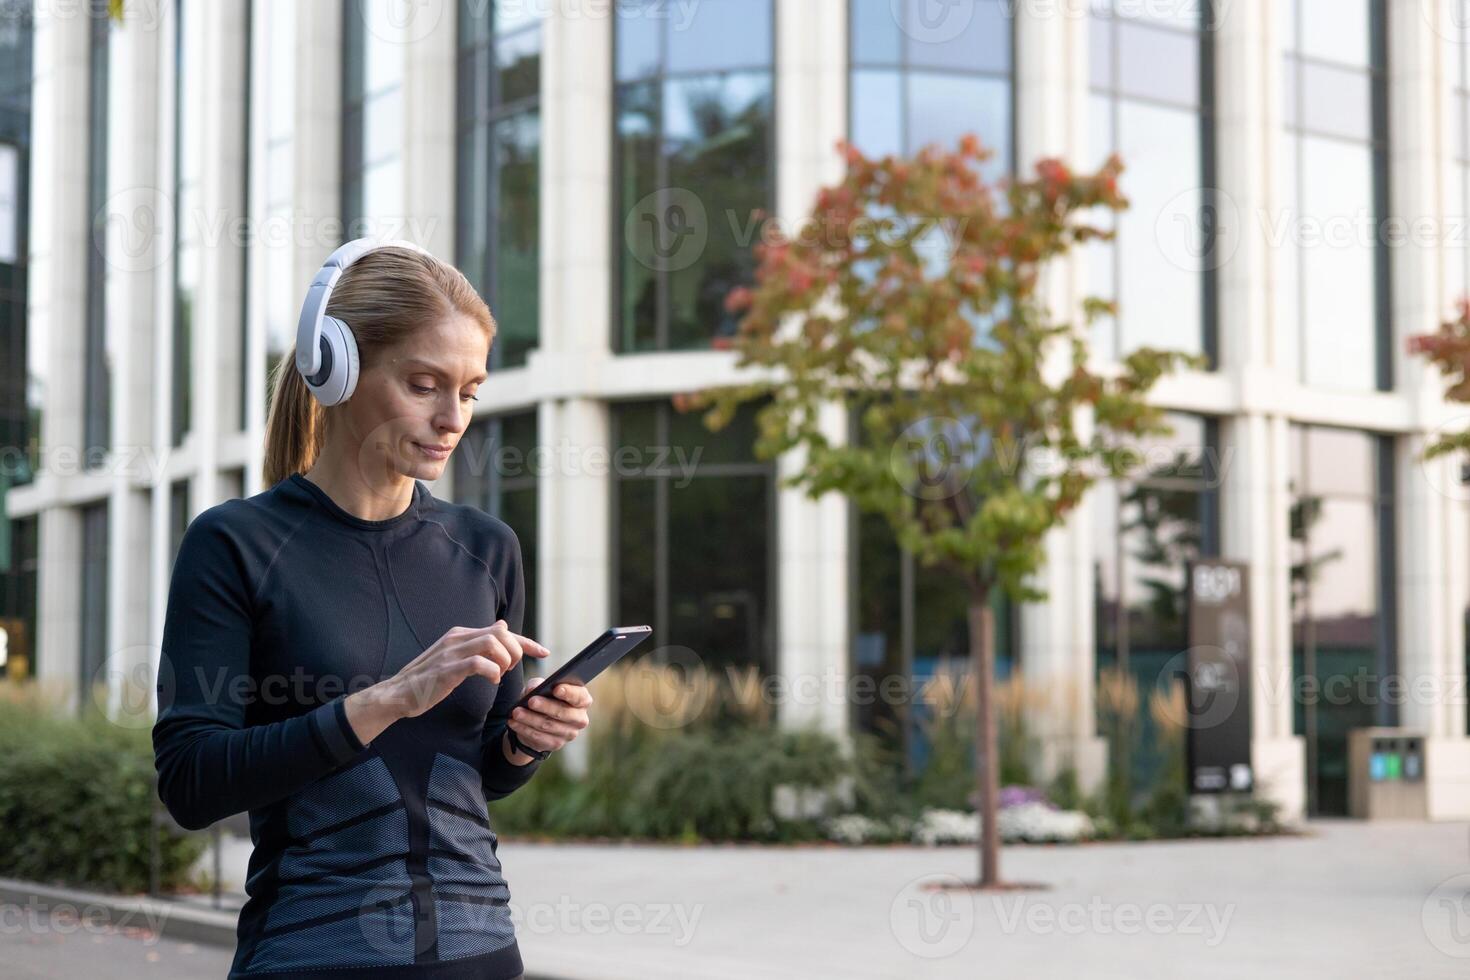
(76, 801)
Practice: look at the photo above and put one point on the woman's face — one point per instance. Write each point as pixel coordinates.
(412, 406)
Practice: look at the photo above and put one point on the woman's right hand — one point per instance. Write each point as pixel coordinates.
(489, 651)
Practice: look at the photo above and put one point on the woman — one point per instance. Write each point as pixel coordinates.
(341, 651)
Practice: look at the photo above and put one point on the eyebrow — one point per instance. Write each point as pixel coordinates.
(437, 370)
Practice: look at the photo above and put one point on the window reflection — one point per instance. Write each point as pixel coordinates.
(1331, 325)
(1151, 105)
(693, 534)
(910, 623)
(918, 82)
(1145, 532)
(372, 117)
(1342, 576)
(498, 227)
(693, 158)
(495, 469)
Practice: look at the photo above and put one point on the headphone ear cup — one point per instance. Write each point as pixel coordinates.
(338, 377)
(349, 344)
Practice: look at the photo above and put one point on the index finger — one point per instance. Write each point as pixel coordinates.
(531, 646)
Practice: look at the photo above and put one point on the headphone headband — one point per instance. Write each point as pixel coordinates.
(326, 350)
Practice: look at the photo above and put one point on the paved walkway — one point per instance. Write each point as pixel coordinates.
(1349, 900)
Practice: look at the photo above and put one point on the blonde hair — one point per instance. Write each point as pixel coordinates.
(385, 297)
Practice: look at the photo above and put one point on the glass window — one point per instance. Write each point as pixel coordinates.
(497, 234)
(495, 469)
(910, 623)
(372, 118)
(18, 434)
(1146, 530)
(922, 75)
(18, 573)
(98, 393)
(1152, 105)
(178, 517)
(694, 534)
(1342, 598)
(94, 640)
(1334, 276)
(693, 109)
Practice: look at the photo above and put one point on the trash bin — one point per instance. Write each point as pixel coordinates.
(1386, 774)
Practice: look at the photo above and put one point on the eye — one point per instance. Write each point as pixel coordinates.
(469, 398)
(420, 389)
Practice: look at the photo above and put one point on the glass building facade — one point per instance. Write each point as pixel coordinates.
(660, 137)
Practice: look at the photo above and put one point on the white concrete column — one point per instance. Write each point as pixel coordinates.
(813, 644)
(134, 251)
(1255, 508)
(1255, 500)
(219, 304)
(1058, 641)
(59, 239)
(573, 584)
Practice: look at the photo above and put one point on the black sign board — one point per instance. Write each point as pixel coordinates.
(1219, 682)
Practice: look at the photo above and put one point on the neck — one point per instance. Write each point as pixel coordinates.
(359, 491)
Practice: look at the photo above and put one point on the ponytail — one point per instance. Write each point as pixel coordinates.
(293, 427)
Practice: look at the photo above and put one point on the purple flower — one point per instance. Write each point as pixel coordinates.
(1018, 795)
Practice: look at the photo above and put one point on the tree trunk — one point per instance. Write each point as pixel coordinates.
(982, 659)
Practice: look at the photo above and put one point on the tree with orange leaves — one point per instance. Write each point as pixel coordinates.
(1448, 349)
(912, 293)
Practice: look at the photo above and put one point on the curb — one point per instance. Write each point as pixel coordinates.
(172, 919)
(175, 920)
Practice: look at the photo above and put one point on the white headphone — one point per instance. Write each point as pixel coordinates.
(326, 350)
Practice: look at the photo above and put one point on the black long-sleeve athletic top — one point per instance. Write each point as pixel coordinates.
(372, 860)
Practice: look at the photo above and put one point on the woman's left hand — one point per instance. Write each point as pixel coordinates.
(551, 722)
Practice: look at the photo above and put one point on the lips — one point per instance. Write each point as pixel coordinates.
(436, 451)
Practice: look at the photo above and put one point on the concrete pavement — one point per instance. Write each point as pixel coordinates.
(1347, 900)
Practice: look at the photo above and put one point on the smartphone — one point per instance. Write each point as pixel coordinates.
(596, 657)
